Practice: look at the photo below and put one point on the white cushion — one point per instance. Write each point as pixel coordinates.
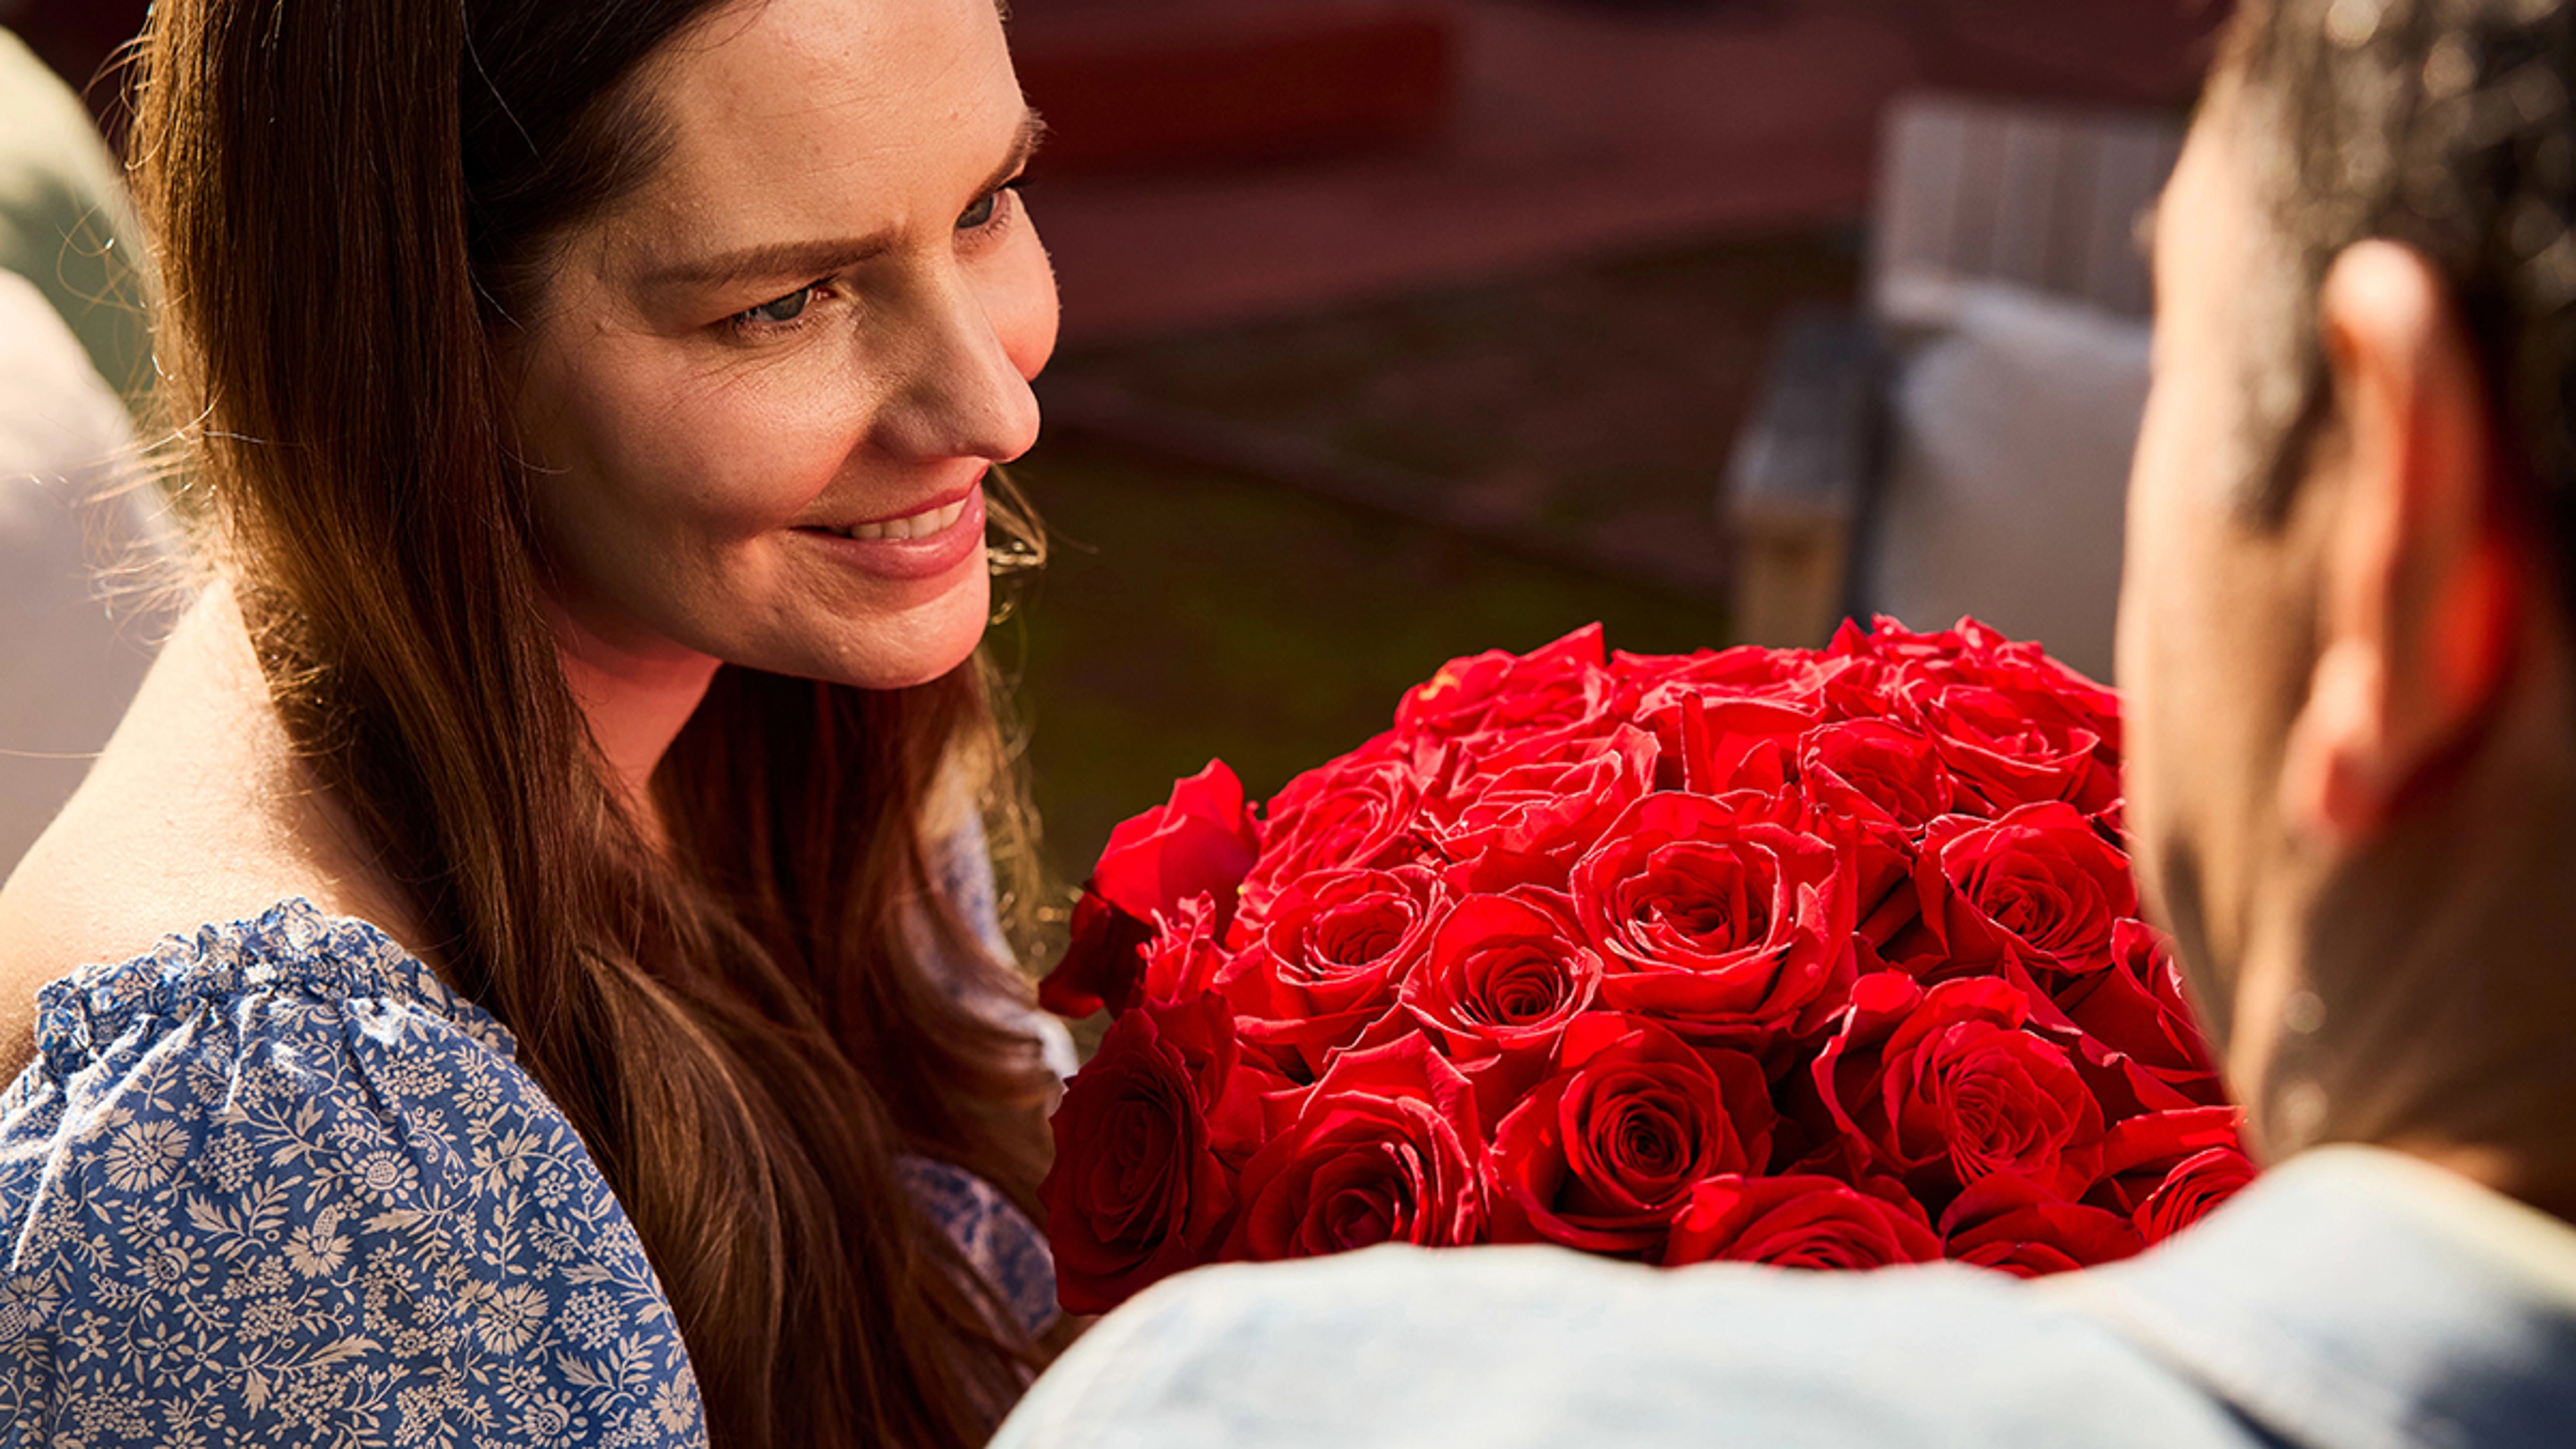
(2011, 433)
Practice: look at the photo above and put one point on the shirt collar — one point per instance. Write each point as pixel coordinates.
(2360, 1298)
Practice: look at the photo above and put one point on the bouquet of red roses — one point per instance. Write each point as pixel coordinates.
(1820, 958)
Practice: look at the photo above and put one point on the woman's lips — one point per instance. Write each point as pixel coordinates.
(923, 545)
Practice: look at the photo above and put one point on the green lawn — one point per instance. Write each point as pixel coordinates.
(1189, 614)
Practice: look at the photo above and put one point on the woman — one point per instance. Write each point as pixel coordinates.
(589, 407)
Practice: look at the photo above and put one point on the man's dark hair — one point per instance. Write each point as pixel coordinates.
(2447, 125)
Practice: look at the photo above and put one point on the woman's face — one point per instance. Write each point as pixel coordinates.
(762, 390)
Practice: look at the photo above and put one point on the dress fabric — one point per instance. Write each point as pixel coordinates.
(276, 1184)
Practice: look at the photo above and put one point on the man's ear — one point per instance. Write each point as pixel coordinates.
(2419, 597)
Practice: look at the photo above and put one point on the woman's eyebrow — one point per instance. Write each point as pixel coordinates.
(1024, 146)
(802, 261)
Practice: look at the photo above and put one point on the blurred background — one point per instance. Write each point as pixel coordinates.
(1402, 329)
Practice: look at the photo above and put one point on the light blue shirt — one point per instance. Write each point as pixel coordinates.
(2351, 1299)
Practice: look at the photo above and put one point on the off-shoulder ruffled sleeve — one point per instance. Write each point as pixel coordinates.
(275, 1184)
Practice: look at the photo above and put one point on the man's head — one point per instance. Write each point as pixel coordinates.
(2344, 630)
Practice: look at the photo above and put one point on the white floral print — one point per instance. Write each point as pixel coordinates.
(276, 1184)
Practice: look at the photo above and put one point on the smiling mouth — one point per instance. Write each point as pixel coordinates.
(928, 522)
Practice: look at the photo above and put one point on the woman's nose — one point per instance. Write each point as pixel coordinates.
(962, 393)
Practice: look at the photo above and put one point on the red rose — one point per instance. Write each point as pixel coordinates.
(1529, 824)
(1505, 975)
(1525, 705)
(1728, 932)
(2038, 881)
(1946, 1087)
(1330, 957)
(1713, 741)
(1346, 939)
(2009, 1224)
(1137, 1192)
(1876, 771)
(1885, 639)
(2165, 1171)
(1200, 843)
(1185, 957)
(2016, 746)
(2197, 1187)
(1103, 963)
(1811, 958)
(1800, 1222)
(1603, 1154)
(1359, 813)
(2140, 1152)
(1792, 676)
(1972, 654)
(2138, 1010)
(1381, 1150)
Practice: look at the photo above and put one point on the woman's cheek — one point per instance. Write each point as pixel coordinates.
(749, 465)
(1021, 300)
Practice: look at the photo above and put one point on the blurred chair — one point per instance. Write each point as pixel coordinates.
(1962, 445)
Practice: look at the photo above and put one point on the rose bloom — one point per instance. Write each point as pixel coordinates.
(1381, 1150)
(1874, 770)
(2039, 882)
(2197, 1187)
(1944, 1087)
(2139, 1153)
(2021, 745)
(1330, 957)
(2014, 1226)
(1730, 933)
(1185, 955)
(1794, 677)
(1505, 975)
(1137, 1192)
(2138, 1009)
(1712, 740)
(1529, 824)
(1502, 708)
(1355, 814)
(1602, 1155)
(1798, 1221)
(1198, 844)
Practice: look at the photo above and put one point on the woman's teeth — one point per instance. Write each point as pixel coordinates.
(919, 525)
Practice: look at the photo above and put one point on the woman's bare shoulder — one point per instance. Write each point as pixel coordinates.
(195, 814)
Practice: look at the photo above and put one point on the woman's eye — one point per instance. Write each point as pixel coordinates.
(981, 214)
(783, 309)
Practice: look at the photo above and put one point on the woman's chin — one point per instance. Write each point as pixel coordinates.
(920, 645)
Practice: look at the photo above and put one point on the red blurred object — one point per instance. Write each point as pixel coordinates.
(77, 38)
(1142, 84)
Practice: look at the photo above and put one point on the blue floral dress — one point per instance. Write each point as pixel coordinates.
(276, 1184)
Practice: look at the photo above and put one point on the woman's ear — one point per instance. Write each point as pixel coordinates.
(2419, 596)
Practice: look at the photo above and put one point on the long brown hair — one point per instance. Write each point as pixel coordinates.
(351, 198)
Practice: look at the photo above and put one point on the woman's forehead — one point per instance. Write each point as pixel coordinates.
(803, 105)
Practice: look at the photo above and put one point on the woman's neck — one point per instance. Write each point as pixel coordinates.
(637, 695)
